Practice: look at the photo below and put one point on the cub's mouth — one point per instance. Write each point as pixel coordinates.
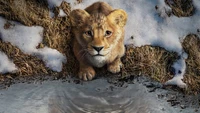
(95, 53)
(98, 55)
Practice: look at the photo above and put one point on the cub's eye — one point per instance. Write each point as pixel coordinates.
(89, 33)
(108, 33)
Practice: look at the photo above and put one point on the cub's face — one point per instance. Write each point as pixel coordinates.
(97, 33)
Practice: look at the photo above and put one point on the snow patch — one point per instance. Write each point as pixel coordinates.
(27, 39)
(6, 65)
(52, 58)
(24, 37)
(57, 3)
(54, 3)
(61, 13)
(180, 67)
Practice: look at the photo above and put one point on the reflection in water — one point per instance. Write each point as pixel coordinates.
(97, 96)
(100, 96)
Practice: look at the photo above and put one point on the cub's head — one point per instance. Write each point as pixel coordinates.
(98, 33)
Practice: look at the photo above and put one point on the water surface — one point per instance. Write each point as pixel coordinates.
(97, 96)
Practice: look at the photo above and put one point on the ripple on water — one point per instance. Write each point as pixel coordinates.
(97, 96)
(85, 98)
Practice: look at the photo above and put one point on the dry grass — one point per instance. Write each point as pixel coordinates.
(181, 8)
(191, 45)
(147, 60)
(28, 12)
(56, 34)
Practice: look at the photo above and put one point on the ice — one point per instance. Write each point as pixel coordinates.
(27, 39)
(6, 65)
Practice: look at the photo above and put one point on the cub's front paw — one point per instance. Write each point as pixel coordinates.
(115, 67)
(86, 73)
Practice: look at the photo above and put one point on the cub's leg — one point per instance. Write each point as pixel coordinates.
(115, 66)
(86, 72)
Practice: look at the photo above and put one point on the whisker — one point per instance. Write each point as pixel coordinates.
(83, 55)
(82, 50)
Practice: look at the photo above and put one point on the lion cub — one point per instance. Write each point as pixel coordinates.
(99, 38)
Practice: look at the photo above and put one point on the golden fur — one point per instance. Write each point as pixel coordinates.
(99, 38)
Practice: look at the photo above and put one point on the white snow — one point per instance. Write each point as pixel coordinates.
(52, 58)
(6, 65)
(27, 39)
(61, 13)
(54, 3)
(180, 67)
(57, 3)
(24, 37)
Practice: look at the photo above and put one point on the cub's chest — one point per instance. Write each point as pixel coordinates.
(97, 61)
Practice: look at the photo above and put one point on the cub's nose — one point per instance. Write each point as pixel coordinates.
(98, 48)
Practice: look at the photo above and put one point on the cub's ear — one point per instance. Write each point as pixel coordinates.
(78, 17)
(118, 17)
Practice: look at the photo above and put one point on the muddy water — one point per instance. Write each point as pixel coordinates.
(97, 96)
